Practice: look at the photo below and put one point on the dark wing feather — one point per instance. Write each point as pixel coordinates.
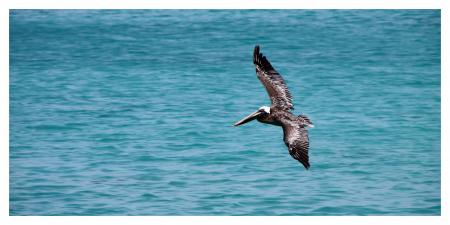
(297, 141)
(272, 81)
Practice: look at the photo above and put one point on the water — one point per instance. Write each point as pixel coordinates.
(130, 112)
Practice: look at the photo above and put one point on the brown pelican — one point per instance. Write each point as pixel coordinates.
(279, 113)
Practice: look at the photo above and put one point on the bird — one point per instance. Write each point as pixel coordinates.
(295, 133)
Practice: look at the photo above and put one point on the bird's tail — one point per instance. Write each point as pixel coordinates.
(305, 121)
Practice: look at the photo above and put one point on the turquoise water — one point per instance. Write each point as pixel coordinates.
(130, 112)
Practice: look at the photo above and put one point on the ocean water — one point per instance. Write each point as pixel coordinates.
(129, 112)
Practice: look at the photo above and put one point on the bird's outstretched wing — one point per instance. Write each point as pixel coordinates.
(297, 141)
(272, 81)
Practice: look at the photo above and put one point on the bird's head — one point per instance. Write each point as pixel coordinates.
(263, 110)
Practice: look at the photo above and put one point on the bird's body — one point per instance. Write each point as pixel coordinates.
(279, 114)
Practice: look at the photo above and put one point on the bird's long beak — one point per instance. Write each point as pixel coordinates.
(248, 118)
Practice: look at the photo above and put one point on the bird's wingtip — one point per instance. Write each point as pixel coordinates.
(257, 48)
(306, 165)
(256, 54)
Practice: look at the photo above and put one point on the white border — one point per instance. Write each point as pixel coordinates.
(216, 4)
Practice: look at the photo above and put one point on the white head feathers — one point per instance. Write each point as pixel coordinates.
(265, 108)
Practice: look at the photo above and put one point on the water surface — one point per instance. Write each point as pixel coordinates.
(130, 112)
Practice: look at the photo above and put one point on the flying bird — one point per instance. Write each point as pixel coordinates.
(279, 113)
